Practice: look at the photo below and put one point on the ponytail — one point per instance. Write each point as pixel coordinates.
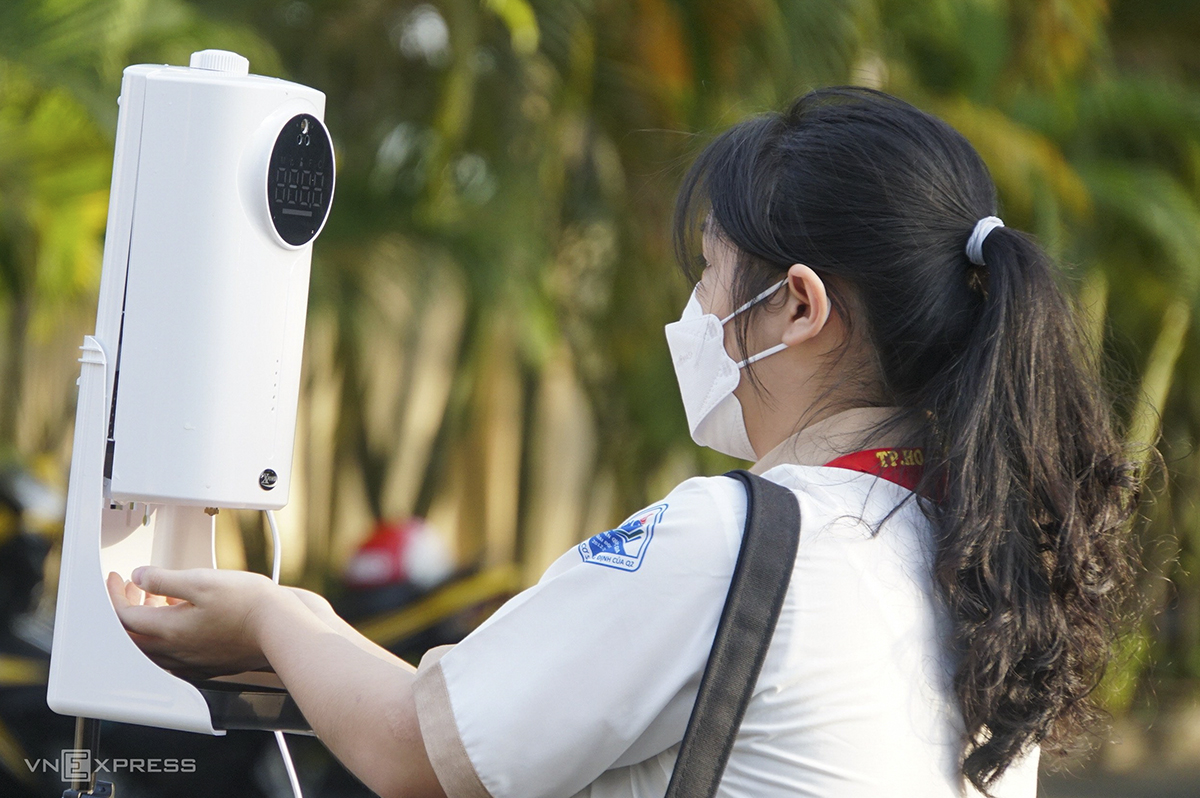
(1033, 489)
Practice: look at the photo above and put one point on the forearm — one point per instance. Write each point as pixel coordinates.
(357, 697)
(322, 609)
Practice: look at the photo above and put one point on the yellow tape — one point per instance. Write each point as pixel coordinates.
(8, 523)
(13, 756)
(18, 672)
(454, 598)
(21, 671)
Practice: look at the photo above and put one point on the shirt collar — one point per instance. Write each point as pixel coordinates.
(841, 433)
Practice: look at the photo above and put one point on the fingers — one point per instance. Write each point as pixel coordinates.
(186, 585)
(141, 621)
(127, 593)
(134, 593)
(116, 590)
(157, 601)
(149, 621)
(157, 649)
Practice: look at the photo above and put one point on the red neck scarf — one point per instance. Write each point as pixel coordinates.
(902, 466)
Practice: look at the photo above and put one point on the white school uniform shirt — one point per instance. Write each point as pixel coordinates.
(582, 685)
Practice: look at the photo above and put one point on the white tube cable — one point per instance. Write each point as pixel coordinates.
(276, 559)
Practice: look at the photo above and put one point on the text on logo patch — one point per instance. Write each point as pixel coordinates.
(624, 547)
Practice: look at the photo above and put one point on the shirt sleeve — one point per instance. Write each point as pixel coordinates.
(557, 685)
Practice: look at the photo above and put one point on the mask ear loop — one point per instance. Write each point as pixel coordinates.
(754, 301)
(751, 303)
(762, 354)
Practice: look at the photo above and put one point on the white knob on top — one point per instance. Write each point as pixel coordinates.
(220, 61)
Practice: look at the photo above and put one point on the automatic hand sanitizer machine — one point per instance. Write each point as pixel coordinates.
(188, 390)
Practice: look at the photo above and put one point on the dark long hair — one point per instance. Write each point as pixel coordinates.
(1034, 486)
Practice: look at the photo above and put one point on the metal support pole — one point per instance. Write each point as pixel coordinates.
(87, 738)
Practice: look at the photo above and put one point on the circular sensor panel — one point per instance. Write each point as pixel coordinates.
(300, 179)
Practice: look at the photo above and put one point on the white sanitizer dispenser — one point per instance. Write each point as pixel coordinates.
(188, 389)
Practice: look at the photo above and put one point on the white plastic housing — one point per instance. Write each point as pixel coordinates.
(215, 301)
(188, 389)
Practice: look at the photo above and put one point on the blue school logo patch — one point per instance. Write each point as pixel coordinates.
(624, 547)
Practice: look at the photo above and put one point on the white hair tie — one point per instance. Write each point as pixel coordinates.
(975, 243)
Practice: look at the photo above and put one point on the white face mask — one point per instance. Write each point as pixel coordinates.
(707, 376)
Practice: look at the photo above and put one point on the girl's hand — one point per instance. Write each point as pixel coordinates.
(196, 623)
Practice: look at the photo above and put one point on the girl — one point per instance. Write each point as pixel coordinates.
(910, 369)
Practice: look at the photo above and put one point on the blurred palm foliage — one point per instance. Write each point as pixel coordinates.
(485, 328)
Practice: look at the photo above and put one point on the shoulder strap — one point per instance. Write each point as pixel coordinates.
(760, 581)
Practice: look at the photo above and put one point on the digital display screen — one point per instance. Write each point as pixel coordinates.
(299, 189)
(299, 179)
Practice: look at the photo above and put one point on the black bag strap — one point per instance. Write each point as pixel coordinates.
(760, 581)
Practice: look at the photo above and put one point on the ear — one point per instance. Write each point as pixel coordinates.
(807, 306)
